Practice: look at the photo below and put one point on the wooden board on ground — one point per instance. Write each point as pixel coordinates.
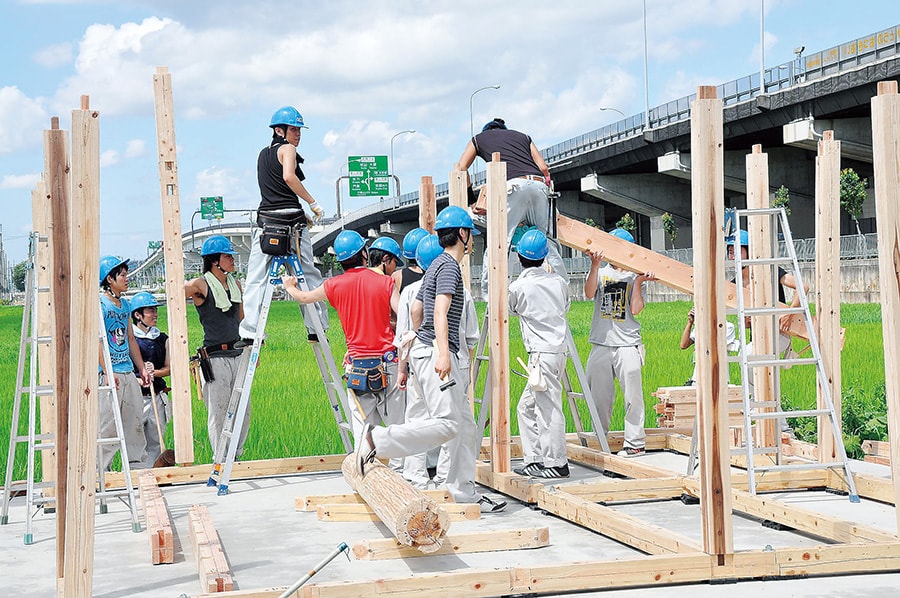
(363, 512)
(215, 575)
(156, 520)
(312, 501)
(487, 541)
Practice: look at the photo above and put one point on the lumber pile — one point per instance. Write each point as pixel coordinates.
(156, 519)
(413, 518)
(677, 406)
(877, 451)
(215, 575)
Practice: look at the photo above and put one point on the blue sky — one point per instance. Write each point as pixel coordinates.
(359, 72)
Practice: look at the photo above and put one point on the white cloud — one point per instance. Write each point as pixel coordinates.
(20, 181)
(136, 148)
(214, 181)
(21, 120)
(109, 158)
(55, 55)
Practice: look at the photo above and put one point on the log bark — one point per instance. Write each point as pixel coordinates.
(413, 518)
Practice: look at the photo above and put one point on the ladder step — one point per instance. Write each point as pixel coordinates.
(799, 466)
(43, 340)
(42, 289)
(43, 390)
(768, 360)
(760, 450)
(772, 311)
(766, 261)
(799, 413)
(758, 404)
(108, 441)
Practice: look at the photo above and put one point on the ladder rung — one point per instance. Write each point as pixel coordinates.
(766, 261)
(42, 289)
(754, 404)
(800, 466)
(799, 413)
(772, 311)
(42, 390)
(757, 212)
(111, 493)
(576, 395)
(760, 450)
(108, 441)
(483, 357)
(43, 340)
(768, 360)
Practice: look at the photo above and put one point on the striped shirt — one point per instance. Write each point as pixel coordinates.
(443, 277)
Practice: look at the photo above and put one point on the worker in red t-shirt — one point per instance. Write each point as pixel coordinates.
(364, 298)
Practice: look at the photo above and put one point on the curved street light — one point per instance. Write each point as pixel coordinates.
(613, 109)
(471, 115)
(396, 180)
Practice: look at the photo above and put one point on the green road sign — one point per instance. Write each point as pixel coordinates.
(211, 208)
(368, 176)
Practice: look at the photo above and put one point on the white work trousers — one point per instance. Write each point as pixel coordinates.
(379, 408)
(131, 403)
(526, 201)
(151, 432)
(217, 394)
(542, 426)
(449, 420)
(604, 365)
(258, 277)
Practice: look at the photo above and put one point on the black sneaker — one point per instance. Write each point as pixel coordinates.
(530, 469)
(553, 472)
(491, 506)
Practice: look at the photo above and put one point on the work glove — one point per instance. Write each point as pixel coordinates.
(317, 210)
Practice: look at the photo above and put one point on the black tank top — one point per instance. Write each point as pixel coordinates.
(514, 148)
(275, 193)
(219, 327)
(407, 277)
(154, 351)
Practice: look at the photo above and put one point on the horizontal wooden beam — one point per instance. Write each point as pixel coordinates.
(519, 487)
(486, 541)
(867, 486)
(611, 490)
(363, 512)
(311, 502)
(631, 468)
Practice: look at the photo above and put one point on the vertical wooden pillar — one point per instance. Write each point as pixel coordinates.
(498, 321)
(708, 193)
(85, 308)
(427, 204)
(40, 223)
(886, 162)
(760, 231)
(176, 309)
(457, 187)
(828, 283)
(56, 167)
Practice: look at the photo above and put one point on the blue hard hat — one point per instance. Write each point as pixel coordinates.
(623, 234)
(217, 244)
(454, 217)
(390, 246)
(743, 238)
(411, 241)
(347, 244)
(287, 116)
(428, 249)
(142, 300)
(108, 263)
(533, 245)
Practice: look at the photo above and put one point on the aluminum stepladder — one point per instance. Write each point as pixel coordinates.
(751, 408)
(226, 446)
(28, 345)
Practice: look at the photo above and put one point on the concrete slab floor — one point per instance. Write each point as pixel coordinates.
(269, 544)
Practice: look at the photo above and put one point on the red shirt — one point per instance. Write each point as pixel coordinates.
(362, 299)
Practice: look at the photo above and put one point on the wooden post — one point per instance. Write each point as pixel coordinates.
(708, 193)
(176, 308)
(828, 287)
(40, 223)
(56, 167)
(413, 518)
(85, 310)
(427, 204)
(760, 231)
(886, 162)
(498, 322)
(457, 187)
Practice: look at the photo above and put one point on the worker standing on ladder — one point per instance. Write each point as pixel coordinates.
(281, 187)
(527, 184)
(154, 346)
(541, 300)
(617, 350)
(364, 299)
(218, 298)
(435, 369)
(125, 357)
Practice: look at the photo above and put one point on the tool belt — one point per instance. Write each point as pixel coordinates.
(203, 354)
(367, 374)
(277, 228)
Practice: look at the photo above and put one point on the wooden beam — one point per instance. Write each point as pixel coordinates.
(886, 162)
(456, 181)
(312, 501)
(831, 560)
(84, 258)
(242, 470)
(427, 204)
(611, 490)
(467, 582)
(176, 308)
(631, 468)
(56, 167)
(708, 206)
(759, 230)
(490, 541)
(828, 287)
(519, 487)
(40, 223)
(356, 512)
(215, 574)
(156, 519)
(498, 315)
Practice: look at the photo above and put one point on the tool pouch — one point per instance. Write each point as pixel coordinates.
(275, 239)
(205, 365)
(367, 375)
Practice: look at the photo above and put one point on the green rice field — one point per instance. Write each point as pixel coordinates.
(292, 416)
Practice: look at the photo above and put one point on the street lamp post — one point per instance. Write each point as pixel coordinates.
(397, 180)
(471, 114)
(613, 109)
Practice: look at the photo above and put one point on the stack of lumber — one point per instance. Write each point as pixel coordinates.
(677, 406)
(215, 576)
(156, 519)
(877, 451)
